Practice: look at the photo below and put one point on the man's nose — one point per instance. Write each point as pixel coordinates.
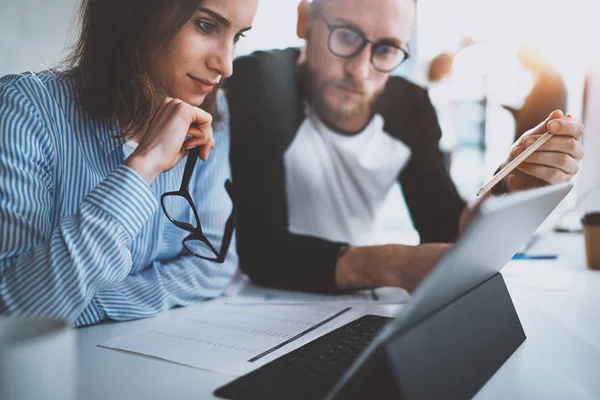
(359, 66)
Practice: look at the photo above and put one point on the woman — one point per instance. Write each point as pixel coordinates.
(86, 153)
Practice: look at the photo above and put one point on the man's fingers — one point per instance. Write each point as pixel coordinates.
(566, 127)
(553, 159)
(558, 126)
(547, 174)
(559, 143)
(543, 126)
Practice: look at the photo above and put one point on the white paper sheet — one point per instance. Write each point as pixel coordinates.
(244, 292)
(231, 340)
(539, 274)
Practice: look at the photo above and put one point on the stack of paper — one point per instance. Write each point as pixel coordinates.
(231, 340)
(246, 293)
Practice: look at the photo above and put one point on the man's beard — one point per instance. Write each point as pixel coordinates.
(314, 87)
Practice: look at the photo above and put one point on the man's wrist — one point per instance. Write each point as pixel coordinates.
(342, 251)
(344, 269)
(364, 267)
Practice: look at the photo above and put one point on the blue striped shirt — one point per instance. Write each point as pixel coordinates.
(82, 236)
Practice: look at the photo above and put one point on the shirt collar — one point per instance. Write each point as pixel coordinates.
(108, 134)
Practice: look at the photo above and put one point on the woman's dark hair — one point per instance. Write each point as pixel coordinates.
(112, 57)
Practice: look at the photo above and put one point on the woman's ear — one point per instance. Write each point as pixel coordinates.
(304, 11)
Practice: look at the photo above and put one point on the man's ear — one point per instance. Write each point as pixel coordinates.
(304, 11)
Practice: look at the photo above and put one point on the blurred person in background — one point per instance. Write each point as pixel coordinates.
(443, 94)
(547, 94)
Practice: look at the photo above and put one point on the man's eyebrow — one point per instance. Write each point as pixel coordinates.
(221, 19)
(391, 40)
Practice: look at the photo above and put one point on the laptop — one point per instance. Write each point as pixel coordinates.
(325, 367)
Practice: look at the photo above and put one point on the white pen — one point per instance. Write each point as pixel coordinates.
(515, 163)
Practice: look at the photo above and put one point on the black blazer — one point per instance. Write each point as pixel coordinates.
(266, 110)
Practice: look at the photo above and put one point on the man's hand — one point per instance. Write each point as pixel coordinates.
(422, 260)
(557, 161)
(388, 265)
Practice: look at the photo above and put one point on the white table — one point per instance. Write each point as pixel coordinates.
(559, 360)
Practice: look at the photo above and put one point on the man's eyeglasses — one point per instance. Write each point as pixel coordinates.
(347, 42)
(181, 203)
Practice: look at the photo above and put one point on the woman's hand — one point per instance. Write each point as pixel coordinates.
(164, 144)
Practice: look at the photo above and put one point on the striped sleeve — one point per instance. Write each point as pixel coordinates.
(186, 279)
(54, 268)
(164, 285)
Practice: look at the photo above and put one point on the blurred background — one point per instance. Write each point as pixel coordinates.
(491, 66)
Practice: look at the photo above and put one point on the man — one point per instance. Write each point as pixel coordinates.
(548, 92)
(320, 136)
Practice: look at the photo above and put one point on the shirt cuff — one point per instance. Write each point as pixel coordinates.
(126, 197)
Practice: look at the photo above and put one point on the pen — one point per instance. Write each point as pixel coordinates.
(523, 256)
(515, 163)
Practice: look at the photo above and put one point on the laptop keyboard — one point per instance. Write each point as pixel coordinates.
(310, 371)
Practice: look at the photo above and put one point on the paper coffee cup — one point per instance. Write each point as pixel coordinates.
(591, 233)
(37, 359)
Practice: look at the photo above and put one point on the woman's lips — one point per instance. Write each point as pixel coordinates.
(202, 85)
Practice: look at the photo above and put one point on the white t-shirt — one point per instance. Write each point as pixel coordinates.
(344, 188)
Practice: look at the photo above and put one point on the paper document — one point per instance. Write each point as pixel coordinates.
(539, 274)
(245, 292)
(231, 340)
